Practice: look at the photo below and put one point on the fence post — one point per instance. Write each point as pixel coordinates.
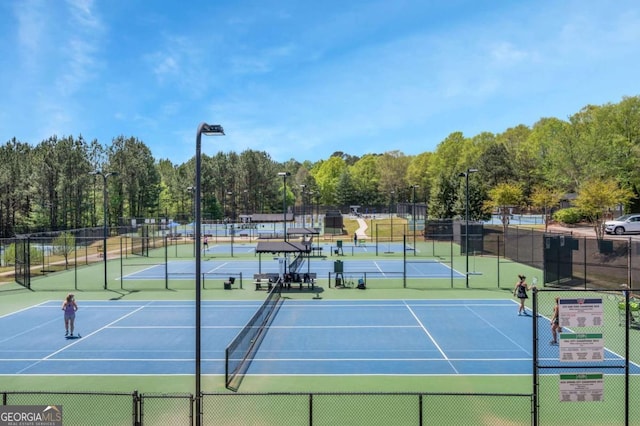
(534, 412)
(451, 257)
(137, 409)
(121, 263)
(629, 277)
(404, 260)
(498, 261)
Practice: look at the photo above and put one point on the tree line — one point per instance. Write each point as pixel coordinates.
(594, 153)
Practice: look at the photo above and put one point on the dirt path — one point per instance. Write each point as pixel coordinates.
(361, 232)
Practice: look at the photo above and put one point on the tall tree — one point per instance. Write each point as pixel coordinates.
(327, 174)
(502, 198)
(545, 199)
(365, 177)
(418, 173)
(138, 182)
(392, 167)
(596, 196)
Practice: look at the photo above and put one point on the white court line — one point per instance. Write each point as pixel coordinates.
(78, 340)
(431, 338)
(26, 309)
(142, 271)
(375, 263)
(165, 327)
(27, 331)
(496, 329)
(222, 265)
(291, 305)
(385, 359)
(32, 328)
(331, 327)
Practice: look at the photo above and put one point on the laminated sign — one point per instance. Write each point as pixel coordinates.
(587, 312)
(581, 387)
(581, 347)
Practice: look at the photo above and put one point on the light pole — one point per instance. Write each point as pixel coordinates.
(318, 196)
(311, 193)
(391, 220)
(209, 130)
(233, 218)
(390, 213)
(233, 206)
(466, 221)
(284, 202)
(413, 217)
(192, 193)
(304, 207)
(105, 207)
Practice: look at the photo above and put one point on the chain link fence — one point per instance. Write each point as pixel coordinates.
(493, 259)
(589, 374)
(398, 409)
(282, 409)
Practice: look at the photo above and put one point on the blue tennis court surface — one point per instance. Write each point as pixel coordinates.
(384, 268)
(395, 337)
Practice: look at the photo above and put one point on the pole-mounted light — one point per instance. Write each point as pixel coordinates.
(105, 208)
(413, 217)
(284, 202)
(209, 130)
(466, 220)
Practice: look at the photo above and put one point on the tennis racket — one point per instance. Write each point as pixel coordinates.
(612, 297)
(534, 282)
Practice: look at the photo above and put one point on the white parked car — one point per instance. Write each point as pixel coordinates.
(624, 224)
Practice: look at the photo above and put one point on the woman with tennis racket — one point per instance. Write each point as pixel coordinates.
(520, 291)
(69, 307)
(555, 322)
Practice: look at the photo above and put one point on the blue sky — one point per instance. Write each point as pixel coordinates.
(302, 79)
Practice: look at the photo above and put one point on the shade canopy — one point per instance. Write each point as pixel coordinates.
(282, 247)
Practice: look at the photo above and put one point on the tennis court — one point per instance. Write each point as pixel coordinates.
(382, 268)
(306, 337)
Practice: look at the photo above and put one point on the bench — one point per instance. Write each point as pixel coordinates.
(306, 278)
(264, 281)
(260, 282)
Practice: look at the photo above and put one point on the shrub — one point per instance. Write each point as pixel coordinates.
(570, 216)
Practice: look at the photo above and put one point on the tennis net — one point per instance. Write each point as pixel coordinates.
(242, 350)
